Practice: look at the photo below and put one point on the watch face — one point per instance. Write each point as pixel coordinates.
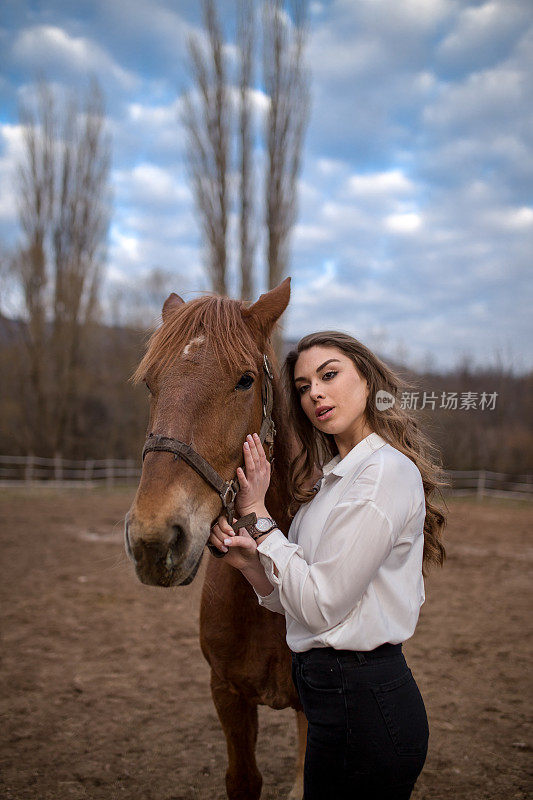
(263, 524)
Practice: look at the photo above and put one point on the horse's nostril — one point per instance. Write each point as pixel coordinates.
(177, 535)
(176, 547)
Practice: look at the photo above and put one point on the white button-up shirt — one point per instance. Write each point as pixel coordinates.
(350, 569)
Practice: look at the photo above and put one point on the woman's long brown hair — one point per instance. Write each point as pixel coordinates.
(395, 425)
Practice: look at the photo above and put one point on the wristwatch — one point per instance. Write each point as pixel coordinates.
(261, 526)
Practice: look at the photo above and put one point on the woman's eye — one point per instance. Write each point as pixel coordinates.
(331, 373)
(245, 382)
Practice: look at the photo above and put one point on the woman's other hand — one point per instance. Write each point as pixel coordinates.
(255, 481)
(241, 549)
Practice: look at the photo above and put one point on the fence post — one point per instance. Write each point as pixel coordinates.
(481, 484)
(58, 467)
(88, 474)
(109, 472)
(28, 472)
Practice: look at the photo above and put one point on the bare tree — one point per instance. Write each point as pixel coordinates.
(286, 85)
(207, 125)
(245, 36)
(280, 51)
(64, 217)
(138, 304)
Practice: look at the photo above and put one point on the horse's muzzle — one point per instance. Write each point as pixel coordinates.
(168, 559)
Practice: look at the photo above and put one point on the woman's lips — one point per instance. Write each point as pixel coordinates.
(326, 415)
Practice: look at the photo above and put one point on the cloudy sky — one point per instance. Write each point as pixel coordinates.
(415, 227)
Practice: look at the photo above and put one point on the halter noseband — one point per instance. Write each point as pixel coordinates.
(227, 490)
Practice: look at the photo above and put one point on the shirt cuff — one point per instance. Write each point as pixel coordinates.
(271, 601)
(276, 550)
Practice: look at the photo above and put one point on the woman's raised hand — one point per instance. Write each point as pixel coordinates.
(241, 549)
(256, 480)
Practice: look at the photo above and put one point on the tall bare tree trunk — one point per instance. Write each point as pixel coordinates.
(207, 125)
(286, 85)
(245, 39)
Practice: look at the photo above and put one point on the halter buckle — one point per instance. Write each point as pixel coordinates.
(228, 495)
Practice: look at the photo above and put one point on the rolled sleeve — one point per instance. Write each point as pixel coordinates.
(271, 601)
(276, 549)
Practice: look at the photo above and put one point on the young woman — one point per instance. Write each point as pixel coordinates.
(348, 576)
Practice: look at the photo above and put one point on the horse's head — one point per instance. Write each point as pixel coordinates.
(204, 369)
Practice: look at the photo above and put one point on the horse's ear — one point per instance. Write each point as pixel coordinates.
(172, 302)
(263, 314)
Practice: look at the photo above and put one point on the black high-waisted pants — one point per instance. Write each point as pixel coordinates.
(368, 732)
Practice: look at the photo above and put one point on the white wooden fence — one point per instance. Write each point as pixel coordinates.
(490, 484)
(58, 471)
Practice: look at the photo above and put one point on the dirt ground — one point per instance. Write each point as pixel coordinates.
(105, 693)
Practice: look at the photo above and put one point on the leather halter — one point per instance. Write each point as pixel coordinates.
(227, 490)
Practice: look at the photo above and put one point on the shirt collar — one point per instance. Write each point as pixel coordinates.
(341, 467)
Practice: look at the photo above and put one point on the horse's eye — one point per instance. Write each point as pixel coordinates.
(246, 381)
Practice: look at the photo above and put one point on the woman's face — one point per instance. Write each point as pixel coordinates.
(326, 378)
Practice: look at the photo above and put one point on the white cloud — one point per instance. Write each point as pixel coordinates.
(331, 167)
(305, 235)
(11, 150)
(403, 223)
(151, 185)
(390, 15)
(480, 29)
(392, 182)
(126, 247)
(345, 218)
(46, 47)
(485, 97)
(512, 218)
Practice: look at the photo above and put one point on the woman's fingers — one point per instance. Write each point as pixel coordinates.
(254, 453)
(221, 530)
(249, 462)
(263, 461)
(243, 539)
(223, 536)
(217, 539)
(253, 441)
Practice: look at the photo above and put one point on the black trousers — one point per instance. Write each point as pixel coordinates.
(368, 731)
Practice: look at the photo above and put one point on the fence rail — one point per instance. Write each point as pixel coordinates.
(23, 470)
(484, 483)
(59, 471)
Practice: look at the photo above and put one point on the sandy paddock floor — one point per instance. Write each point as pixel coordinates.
(105, 693)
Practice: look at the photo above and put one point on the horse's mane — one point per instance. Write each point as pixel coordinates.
(218, 319)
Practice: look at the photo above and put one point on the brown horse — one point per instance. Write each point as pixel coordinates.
(204, 369)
